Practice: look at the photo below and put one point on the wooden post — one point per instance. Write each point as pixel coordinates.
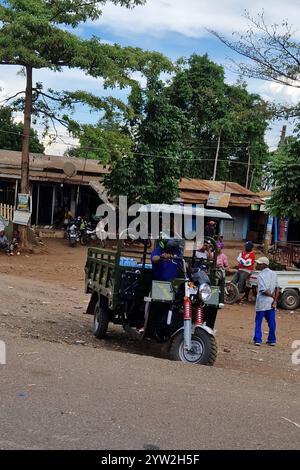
(248, 167)
(216, 157)
(73, 201)
(53, 203)
(251, 180)
(16, 193)
(77, 197)
(37, 205)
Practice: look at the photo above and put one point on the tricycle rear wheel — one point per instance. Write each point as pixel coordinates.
(101, 320)
(204, 348)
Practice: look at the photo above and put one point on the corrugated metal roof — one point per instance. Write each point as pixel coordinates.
(265, 193)
(182, 209)
(218, 186)
(50, 168)
(196, 197)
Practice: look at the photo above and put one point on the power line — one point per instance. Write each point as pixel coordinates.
(178, 157)
(211, 144)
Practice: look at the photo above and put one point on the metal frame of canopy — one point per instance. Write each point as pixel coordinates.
(181, 209)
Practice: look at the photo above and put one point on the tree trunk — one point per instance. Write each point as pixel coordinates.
(25, 149)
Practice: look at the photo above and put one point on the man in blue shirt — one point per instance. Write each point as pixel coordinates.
(267, 295)
(164, 268)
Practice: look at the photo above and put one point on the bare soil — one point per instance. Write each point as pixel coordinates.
(42, 298)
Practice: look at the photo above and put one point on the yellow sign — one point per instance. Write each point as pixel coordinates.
(23, 202)
(217, 199)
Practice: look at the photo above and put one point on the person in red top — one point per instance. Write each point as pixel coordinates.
(246, 261)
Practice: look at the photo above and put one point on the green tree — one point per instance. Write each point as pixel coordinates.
(284, 177)
(153, 169)
(178, 125)
(107, 141)
(224, 121)
(35, 34)
(11, 133)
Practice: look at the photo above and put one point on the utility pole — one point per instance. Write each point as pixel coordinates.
(25, 149)
(251, 180)
(248, 167)
(282, 136)
(216, 157)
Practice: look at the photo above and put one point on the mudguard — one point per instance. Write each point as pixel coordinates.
(204, 327)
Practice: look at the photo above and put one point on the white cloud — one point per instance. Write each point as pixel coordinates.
(70, 79)
(158, 18)
(284, 94)
(191, 17)
(10, 82)
(59, 146)
(275, 92)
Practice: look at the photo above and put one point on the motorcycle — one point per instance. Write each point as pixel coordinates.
(231, 291)
(130, 238)
(88, 233)
(181, 315)
(73, 232)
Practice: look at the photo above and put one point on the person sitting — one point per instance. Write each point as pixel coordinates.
(222, 260)
(163, 259)
(210, 229)
(204, 251)
(166, 259)
(14, 246)
(4, 244)
(220, 241)
(246, 261)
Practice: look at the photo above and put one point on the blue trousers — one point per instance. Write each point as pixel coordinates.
(269, 315)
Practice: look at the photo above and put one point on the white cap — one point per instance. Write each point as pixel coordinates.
(263, 260)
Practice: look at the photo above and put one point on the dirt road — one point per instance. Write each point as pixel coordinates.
(42, 296)
(56, 396)
(42, 302)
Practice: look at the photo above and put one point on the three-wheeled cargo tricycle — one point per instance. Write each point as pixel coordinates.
(181, 313)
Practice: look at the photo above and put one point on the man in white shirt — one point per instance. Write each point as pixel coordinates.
(267, 295)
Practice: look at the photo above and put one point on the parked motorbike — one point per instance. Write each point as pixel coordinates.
(88, 233)
(73, 231)
(231, 291)
(132, 239)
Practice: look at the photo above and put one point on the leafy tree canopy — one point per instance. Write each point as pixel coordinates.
(106, 141)
(284, 174)
(176, 127)
(11, 134)
(36, 34)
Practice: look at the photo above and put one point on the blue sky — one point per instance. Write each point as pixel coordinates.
(176, 28)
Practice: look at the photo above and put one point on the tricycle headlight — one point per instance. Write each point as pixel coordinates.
(205, 291)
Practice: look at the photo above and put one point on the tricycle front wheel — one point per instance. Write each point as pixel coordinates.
(204, 348)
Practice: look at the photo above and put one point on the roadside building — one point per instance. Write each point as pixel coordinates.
(56, 184)
(248, 221)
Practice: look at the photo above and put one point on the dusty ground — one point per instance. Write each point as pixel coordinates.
(42, 298)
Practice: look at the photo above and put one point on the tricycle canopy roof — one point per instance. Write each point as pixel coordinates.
(185, 210)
